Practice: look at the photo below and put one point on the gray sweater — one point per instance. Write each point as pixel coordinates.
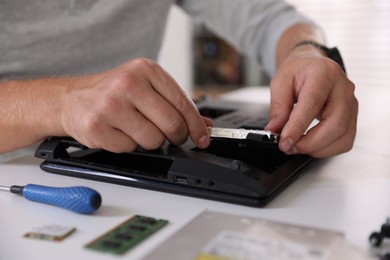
(65, 37)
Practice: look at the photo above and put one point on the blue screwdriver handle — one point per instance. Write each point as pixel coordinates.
(78, 198)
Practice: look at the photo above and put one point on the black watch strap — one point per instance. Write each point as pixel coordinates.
(331, 53)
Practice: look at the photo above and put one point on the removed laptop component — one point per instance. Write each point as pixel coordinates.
(127, 235)
(50, 232)
(242, 171)
(241, 133)
(213, 235)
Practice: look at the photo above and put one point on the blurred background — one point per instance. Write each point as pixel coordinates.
(205, 64)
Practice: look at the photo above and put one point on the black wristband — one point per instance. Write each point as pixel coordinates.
(331, 53)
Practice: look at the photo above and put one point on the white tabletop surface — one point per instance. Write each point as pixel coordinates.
(349, 193)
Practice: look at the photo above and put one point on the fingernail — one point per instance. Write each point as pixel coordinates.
(270, 123)
(292, 150)
(209, 122)
(286, 144)
(203, 141)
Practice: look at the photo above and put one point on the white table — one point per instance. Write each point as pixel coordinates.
(348, 193)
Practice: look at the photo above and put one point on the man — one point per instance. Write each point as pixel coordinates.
(84, 68)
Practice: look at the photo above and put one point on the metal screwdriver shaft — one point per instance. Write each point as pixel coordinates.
(78, 198)
(4, 188)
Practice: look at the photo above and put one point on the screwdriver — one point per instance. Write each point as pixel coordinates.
(78, 199)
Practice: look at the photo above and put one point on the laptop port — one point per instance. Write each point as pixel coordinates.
(198, 181)
(180, 179)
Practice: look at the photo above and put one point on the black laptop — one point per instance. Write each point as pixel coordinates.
(241, 171)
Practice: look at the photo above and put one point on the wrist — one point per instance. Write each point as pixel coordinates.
(308, 48)
(332, 53)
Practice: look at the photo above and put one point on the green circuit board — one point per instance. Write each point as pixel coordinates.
(127, 235)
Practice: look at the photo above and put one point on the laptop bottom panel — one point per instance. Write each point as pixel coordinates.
(80, 172)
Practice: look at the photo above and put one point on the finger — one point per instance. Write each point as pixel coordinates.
(144, 132)
(106, 137)
(335, 119)
(334, 122)
(311, 99)
(122, 132)
(182, 103)
(281, 104)
(117, 109)
(116, 141)
(208, 121)
(147, 115)
(342, 144)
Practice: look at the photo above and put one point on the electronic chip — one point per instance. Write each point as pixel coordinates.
(50, 232)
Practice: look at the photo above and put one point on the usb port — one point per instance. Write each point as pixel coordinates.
(180, 179)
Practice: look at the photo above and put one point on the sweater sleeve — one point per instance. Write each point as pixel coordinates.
(252, 26)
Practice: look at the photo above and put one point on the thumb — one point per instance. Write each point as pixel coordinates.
(281, 105)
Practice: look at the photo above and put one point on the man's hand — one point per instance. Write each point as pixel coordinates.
(309, 86)
(135, 103)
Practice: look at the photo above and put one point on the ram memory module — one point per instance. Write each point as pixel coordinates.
(126, 235)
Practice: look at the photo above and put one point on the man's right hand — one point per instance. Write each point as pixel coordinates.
(136, 103)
